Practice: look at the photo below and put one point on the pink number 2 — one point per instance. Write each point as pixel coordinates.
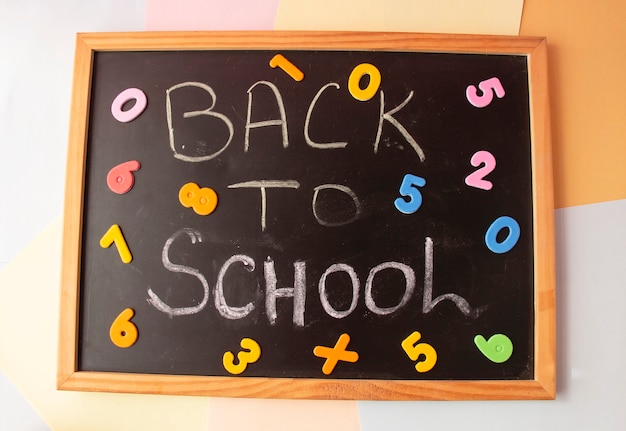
(488, 87)
(476, 178)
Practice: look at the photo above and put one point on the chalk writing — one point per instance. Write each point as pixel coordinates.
(156, 302)
(388, 116)
(263, 185)
(409, 287)
(297, 292)
(307, 122)
(345, 189)
(354, 279)
(191, 114)
(282, 121)
(428, 302)
(220, 301)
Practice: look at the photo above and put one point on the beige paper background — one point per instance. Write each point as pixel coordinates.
(426, 16)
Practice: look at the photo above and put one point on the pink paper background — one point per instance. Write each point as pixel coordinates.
(168, 15)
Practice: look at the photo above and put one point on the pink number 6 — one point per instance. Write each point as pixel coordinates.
(120, 179)
(488, 87)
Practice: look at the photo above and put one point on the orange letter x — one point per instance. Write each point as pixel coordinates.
(335, 354)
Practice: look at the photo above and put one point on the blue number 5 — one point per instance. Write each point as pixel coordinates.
(409, 189)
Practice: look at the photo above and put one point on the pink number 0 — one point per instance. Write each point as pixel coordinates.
(488, 87)
(126, 96)
(476, 178)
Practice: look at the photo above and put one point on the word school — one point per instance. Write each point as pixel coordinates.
(298, 292)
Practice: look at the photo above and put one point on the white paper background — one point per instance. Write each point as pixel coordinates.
(36, 65)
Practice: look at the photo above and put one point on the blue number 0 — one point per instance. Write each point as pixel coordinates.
(504, 222)
(409, 189)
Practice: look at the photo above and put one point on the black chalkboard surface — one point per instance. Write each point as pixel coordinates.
(314, 215)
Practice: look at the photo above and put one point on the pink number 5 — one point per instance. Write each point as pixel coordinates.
(488, 87)
(476, 178)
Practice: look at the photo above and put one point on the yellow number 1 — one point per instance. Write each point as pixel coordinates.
(114, 235)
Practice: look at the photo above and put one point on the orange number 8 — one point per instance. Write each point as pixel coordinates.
(202, 200)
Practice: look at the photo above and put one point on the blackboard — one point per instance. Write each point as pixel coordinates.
(315, 215)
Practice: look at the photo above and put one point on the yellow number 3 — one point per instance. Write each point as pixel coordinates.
(202, 200)
(250, 354)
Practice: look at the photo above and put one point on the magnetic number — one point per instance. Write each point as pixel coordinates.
(251, 354)
(287, 66)
(364, 94)
(414, 350)
(409, 189)
(498, 348)
(127, 95)
(504, 222)
(488, 87)
(123, 332)
(202, 200)
(335, 354)
(114, 235)
(476, 178)
(120, 179)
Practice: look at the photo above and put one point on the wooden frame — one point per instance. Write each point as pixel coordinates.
(542, 387)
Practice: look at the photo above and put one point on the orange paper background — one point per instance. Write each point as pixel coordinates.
(587, 64)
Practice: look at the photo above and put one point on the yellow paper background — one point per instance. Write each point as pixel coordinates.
(29, 314)
(427, 16)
